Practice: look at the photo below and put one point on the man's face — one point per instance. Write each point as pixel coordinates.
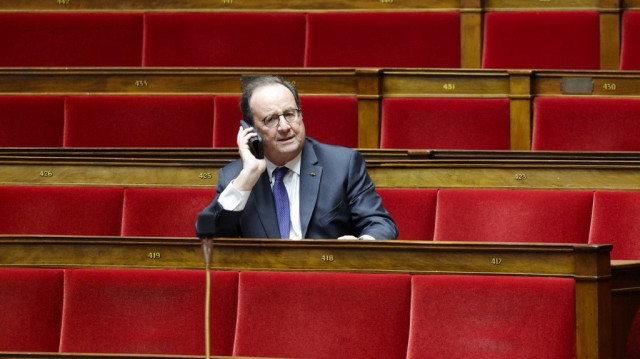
(285, 141)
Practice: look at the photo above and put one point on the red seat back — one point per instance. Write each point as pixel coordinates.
(163, 212)
(224, 39)
(413, 210)
(472, 124)
(567, 40)
(629, 51)
(615, 221)
(30, 309)
(586, 124)
(146, 311)
(492, 317)
(513, 216)
(138, 121)
(61, 210)
(322, 315)
(31, 121)
(387, 39)
(67, 39)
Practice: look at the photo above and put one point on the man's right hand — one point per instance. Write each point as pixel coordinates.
(252, 167)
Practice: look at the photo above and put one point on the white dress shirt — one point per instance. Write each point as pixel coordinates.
(232, 199)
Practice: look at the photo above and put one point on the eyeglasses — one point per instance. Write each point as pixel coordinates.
(291, 116)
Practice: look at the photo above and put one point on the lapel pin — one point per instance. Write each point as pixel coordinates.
(313, 174)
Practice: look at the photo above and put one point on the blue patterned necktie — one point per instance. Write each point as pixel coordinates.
(282, 201)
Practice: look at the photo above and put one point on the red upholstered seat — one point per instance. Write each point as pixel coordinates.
(615, 221)
(30, 309)
(470, 124)
(413, 210)
(163, 212)
(60, 210)
(322, 315)
(31, 121)
(70, 39)
(546, 216)
(492, 317)
(586, 124)
(138, 121)
(629, 51)
(542, 40)
(146, 311)
(224, 39)
(332, 120)
(386, 39)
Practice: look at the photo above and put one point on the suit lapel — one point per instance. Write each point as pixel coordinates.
(310, 175)
(266, 208)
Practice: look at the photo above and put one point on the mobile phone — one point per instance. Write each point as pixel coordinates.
(255, 143)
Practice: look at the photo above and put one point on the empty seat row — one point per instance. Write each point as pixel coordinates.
(469, 215)
(155, 121)
(541, 216)
(420, 39)
(277, 314)
(559, 123)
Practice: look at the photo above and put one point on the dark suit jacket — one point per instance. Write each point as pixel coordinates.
(337, 197)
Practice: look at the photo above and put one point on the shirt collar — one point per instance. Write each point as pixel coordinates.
(293, 165)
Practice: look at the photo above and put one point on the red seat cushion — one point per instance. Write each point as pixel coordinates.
(629, 51)
(615, 221)
(542, 40)
(332, 120)
(224, 39)
(31, 121)
(545, 216)
(163, 212)
(146, 311)
(413, 210)
(138, 121)
(492, 317)
(386, 39)
(471, 124)
(322, 315)
(586, 124)
(70, 39)
(30, 309)
(61, 210)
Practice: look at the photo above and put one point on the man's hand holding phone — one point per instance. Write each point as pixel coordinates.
(252, 164)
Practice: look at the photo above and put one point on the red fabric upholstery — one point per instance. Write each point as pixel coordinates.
(388, 39)
(163, 212)
(615, 221)
(629, 51)
(70, 39)
(30, 309)
(586, 124)
(332, 120)
(146, 311)
(224, 39)
(322, 315)
(31, 121)
(492, 317)
(542, 40)
(513, 216)
(413, 210)
(138, 121)
(471, 124)
(60, 210)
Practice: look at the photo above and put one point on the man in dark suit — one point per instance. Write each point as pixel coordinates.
(301, 189)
